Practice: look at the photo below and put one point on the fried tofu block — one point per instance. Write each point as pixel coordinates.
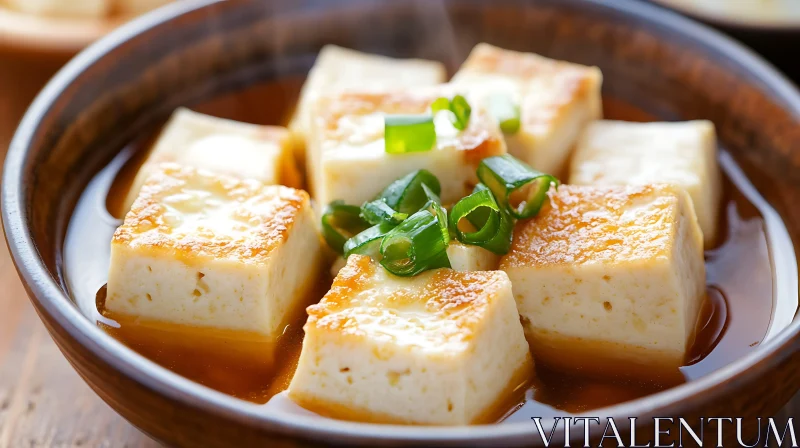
(263, 153)
(685, 154)
(218, 253)
(337, 69)
(556, 100)
(348, 161)
(441, 348)
(611, 279)
(468, 258)
(62, 8)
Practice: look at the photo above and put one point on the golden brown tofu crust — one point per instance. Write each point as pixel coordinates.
(486, 58)
(571, 83)
(459, 297)
(269, 224)
(479, 140)
(583, 224)
(571, 87)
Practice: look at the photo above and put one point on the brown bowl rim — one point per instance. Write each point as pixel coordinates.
(49, 299)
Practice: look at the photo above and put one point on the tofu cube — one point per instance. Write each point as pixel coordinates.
(347, 158)
(556, 100)
(263, 153)
(468, 258)
(441, 348)
(610, 280)
(214, 252)
(624, 153)
(337, 69)
(61, 8)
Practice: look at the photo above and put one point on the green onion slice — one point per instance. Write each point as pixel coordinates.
(479, 221)
(505, 112)
(516, 186)
(462, 111)
(475, 218)
(440, 104)
(480, 215)
(339, 223)
(409, 133)
(406, 195)
(378, 211)
(368, 241)
(414, 246)
(458, 107)
(501, 242)
(434, 207)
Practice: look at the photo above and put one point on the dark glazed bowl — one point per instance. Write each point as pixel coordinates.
(667, 65)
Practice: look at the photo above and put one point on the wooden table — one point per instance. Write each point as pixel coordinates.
(43, 402)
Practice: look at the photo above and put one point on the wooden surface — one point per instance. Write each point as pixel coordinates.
(43, 402)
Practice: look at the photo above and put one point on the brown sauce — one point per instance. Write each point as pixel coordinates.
(735, 318)
(235, 367)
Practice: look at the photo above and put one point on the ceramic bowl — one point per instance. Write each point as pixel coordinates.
(658, 61)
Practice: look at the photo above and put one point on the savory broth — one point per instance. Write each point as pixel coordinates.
(734, 320)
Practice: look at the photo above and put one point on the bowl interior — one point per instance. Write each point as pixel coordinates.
(122, 86)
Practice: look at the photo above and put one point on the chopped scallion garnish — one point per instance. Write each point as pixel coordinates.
(406, 194)
(516, 186)
(505, 112)
(479, 221)
(341, 222)
(458, 108)
(378, 211)
(475, 218)
(434, 206)
(462, 110)
(414, 246)
(367, 242)
(440, 104)
(409, 133)
(501, 243)
(410, 229)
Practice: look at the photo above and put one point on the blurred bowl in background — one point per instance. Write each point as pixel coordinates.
(773, 15)
(32, 49)
(66, 28)
(25, 33)
(34, 46)
(770, 27)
